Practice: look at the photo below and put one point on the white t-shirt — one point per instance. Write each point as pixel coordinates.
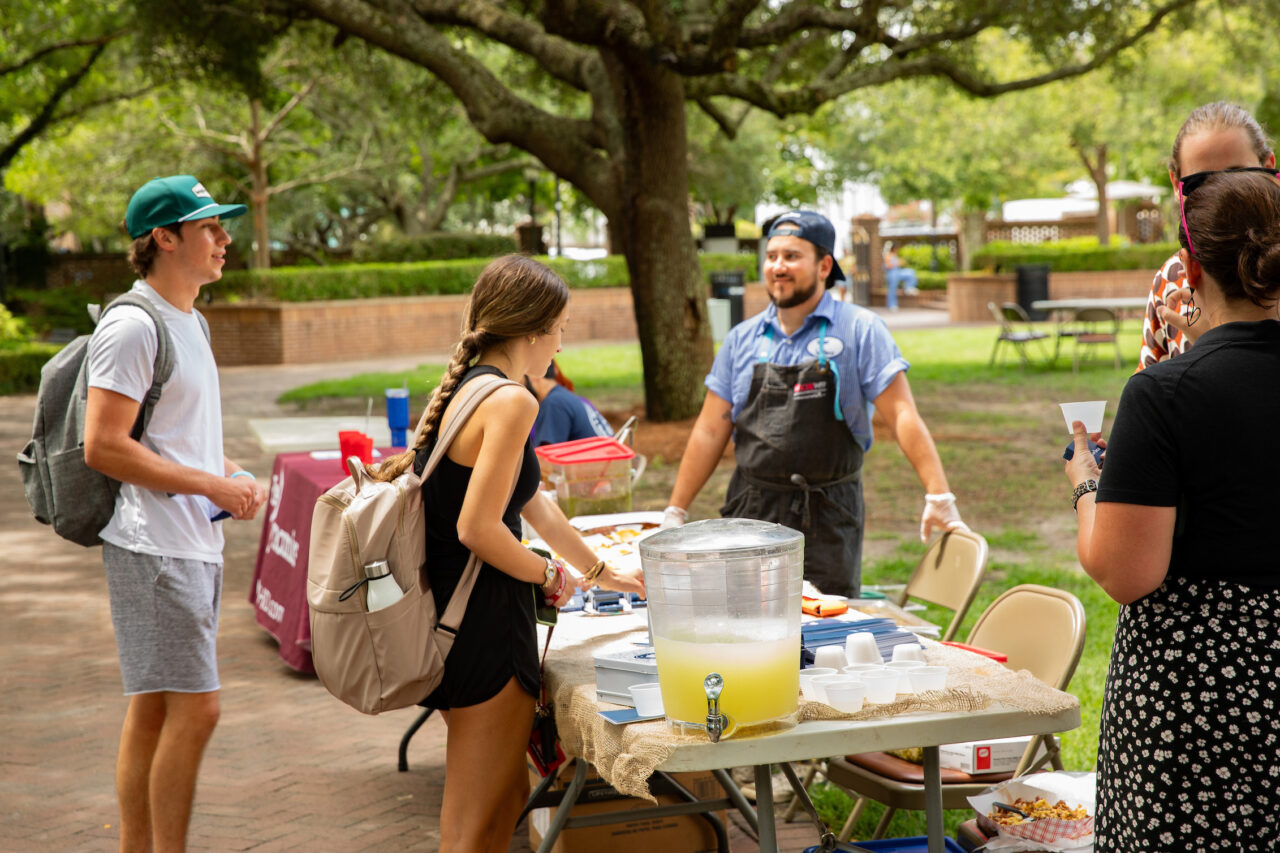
(185, 427)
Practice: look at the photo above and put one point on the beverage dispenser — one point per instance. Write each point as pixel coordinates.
(724, 612)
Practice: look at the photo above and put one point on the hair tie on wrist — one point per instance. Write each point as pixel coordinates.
(243, 474)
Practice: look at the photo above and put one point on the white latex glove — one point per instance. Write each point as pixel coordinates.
(673, 516)
(940, 512)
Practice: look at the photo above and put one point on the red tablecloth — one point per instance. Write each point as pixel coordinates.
(279, 590)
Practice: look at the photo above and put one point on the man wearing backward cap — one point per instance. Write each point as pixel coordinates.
(796, 386)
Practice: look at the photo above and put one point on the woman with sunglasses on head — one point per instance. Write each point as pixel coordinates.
(512, 327)
(1215, 136)
(1179, 528)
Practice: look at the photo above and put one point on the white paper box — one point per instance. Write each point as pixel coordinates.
(998, 755)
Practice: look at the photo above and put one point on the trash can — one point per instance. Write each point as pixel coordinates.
(730, 286)
(1033, 285)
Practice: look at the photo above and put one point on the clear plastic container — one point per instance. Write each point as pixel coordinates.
(591, 476)
(724, 597)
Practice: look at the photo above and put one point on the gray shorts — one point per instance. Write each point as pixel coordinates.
(165, 613)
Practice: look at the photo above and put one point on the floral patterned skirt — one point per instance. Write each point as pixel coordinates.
(1189, 757)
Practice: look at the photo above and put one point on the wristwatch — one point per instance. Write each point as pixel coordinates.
(1081, 490)
(549, 573)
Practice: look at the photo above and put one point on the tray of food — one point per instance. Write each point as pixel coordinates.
(1055, 811)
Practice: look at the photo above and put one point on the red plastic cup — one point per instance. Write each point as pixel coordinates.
(354, 443)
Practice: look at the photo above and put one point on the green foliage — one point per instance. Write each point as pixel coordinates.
(363, 281)
(440, 246)
(920, 257)
(1082, 253)
(20, 366)
(62, 308)
(927, 280)
(12, 329)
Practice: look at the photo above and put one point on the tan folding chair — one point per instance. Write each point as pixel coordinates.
(1041, 630)
(1016, 331)
(948, 575)
(1094, 326)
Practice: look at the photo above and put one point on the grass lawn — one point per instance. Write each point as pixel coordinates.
(1001, 436)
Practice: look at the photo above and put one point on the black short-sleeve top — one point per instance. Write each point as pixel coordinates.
(1199, 432)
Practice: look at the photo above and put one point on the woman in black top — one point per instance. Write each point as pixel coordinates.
(1179, 527)
(512, 327)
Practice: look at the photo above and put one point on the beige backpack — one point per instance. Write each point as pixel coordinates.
(394, 657)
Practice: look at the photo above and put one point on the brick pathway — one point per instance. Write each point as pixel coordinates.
(289, 768)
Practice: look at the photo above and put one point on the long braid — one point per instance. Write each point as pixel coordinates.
(467, 350)
(514, 296)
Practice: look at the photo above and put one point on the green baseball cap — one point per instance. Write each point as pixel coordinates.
(170, 201)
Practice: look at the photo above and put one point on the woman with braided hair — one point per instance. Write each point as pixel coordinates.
(512, 327)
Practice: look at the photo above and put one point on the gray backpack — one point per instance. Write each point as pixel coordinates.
(61, 489)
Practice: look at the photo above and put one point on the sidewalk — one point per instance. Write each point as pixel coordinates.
(289, 767)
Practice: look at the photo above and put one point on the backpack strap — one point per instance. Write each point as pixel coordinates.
(164, 356)
(472, 394)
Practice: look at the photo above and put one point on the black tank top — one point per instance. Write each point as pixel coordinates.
(498, 636)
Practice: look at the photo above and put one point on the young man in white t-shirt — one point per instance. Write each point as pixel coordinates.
(162, 548)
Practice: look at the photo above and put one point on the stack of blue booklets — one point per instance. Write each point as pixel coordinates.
(830, 632)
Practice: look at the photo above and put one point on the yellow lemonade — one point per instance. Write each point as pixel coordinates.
(761, 679)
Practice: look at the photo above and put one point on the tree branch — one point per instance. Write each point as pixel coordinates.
(728, 126)
(806, 98)
(284, 111)
(562, 144)
(44, 118)
(37, 55)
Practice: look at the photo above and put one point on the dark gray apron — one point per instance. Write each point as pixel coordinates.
(798, 465)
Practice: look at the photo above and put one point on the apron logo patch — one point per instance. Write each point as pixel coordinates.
(809, 390)
(832, 346)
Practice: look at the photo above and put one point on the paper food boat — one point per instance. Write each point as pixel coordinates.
(1073, 788)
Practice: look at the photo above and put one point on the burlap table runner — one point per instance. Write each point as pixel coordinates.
(626, 756)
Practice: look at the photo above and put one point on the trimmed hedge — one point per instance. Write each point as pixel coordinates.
(931, 280)
(20, 366)
(60, 308)
(1082, 254)
(428, 278)
(920, 257)
(437, 246)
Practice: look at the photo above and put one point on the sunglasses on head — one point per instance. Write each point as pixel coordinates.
(1192, 182)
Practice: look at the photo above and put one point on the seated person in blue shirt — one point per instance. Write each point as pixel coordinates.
(562, 414)
(796, 387)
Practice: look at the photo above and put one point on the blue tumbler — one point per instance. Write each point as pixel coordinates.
(398, 415)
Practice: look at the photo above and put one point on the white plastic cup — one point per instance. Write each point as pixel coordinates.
(829, 656)
(859, 668)
(928, 678)
(818, 684)
(860, 647)
(881, 686)
(846, 697)
(908, 651)
(648, 699)
(1089, 412)
(902, 667)
(807, 676)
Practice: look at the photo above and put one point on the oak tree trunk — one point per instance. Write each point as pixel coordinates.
(652, 225)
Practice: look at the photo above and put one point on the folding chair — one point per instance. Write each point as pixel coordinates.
(1008, 315)
(1095, 326)
(948, 575)
(1041, 630)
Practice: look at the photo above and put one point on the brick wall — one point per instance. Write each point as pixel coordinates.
(967, 296)
(311, 332)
